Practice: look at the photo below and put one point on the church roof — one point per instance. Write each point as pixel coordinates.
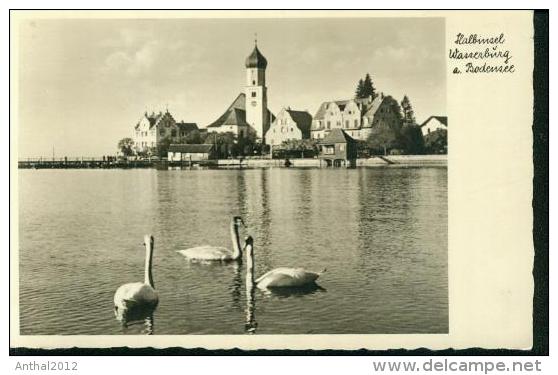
(337, 135)
(235, 114)
(238, 104)
(256, 59)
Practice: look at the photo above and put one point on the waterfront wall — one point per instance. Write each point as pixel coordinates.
(402, 160)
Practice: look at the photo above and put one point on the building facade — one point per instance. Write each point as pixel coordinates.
(154, 127)
(181, 152)
(248, 113)
(338, 149)
(357, 117)
(434, 123)
(289, 124)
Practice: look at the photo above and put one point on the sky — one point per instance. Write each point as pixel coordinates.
(85, 83)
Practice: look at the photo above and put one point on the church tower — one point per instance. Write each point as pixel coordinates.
(257, 114)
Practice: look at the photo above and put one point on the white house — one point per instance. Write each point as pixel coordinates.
(182, 152)
(152, 128)
(434, 123)
(289, 124)
(357, 117)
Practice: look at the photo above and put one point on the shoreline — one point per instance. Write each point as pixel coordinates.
(375, 161)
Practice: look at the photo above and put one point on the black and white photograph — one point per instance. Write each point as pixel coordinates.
(288, 177)
(246, 175)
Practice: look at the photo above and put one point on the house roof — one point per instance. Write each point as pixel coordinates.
(256, 59)
(197, 149)
(364, 104)
(442, 119)
(235, 114)
(153, 118)
(303, 119)
(337, 135)
(187, 126)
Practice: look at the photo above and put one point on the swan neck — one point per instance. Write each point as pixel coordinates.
(148, 263)
(237, 253)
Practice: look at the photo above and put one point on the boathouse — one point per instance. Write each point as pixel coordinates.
(183, 152)
(338, 149)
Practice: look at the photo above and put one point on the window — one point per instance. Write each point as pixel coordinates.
(254, 83)
(253, 94)
(356, 123)
(162, 132)
(347, 124)
(329, 124)
(173, 133)
(292, 130)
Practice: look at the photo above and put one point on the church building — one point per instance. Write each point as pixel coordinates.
(248, 113)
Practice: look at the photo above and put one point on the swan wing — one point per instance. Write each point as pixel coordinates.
(207, 253)
(286, 277)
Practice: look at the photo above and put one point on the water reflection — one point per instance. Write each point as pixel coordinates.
(137, 315)
(251, 324)
(299, 291)
(236, 284)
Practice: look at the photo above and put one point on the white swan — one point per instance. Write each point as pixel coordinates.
(210, 253)
(138, 296)
(280, 277)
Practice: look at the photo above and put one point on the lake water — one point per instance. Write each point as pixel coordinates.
(381, 233)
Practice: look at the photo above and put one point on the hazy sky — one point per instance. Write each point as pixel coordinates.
(84, 84)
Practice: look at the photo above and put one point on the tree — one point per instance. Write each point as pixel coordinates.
(436, 142)
(360, 89)
(193, 137)
(125, 145)
(383, 138)
(365, 88)
(408, 113)
(412, 139)
(297, 147)
(225, 143)
(162, 148)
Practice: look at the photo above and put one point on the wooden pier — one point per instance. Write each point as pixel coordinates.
(109, 163)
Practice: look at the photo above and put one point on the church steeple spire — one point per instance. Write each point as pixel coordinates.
(256, 59)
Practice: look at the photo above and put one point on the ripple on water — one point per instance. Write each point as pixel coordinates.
(381, 233)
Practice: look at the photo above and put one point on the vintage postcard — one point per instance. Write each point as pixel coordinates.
(277, 180)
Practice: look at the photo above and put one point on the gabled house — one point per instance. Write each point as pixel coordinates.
(289, 124)
(434, 123)
(154, 127)
(338, 148)
(357, 117)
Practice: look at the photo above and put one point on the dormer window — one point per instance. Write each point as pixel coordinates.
(253, 94)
